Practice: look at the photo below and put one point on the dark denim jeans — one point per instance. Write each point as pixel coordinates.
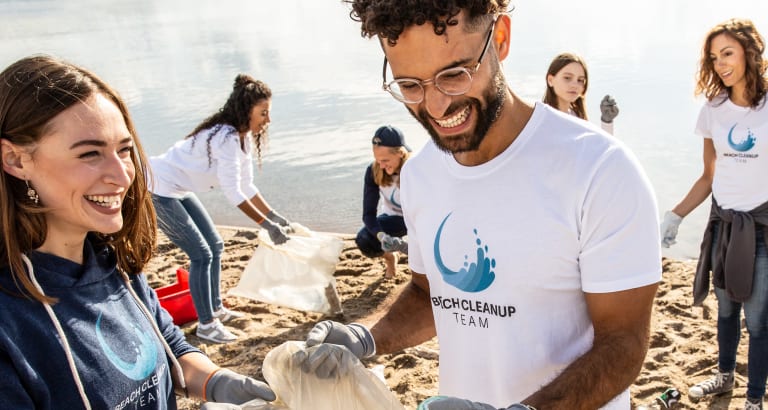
(369, 245)
(756, 316)
(188, 225)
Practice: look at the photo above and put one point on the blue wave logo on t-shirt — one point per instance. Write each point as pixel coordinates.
(392, 199)
(145, 354)
(744, 145)
(474, 276)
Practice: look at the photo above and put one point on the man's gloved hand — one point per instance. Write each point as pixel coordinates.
(275, 231)
(455, 403)
(226, 386)
(280, 220)
(327, 358)
(669, 228)
(355, 337)
(608, 109)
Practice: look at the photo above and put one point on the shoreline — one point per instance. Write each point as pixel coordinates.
(682, 346)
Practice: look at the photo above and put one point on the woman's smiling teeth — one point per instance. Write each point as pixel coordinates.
(456, 120)
(107, 201)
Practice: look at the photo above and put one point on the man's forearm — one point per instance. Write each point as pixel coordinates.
(408, 320)
(598, 376)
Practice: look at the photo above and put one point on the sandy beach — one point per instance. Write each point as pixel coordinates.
(682, 348)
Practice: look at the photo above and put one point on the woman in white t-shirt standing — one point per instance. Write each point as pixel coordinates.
(734, 124)
(567, 82)
(217, 153)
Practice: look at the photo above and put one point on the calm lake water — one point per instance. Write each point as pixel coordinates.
(174, 62)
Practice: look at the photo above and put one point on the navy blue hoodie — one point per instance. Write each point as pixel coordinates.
(120, 360)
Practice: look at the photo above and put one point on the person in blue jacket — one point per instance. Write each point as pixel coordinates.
(382, 214)
(81, 328)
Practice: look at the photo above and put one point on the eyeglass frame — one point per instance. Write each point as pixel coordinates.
(469, 71)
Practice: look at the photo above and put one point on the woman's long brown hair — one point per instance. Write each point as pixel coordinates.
(33, 91)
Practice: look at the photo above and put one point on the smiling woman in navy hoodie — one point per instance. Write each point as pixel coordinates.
(81, 328)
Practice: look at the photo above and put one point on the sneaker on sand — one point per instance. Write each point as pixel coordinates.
(225, 315)
(753, 404)
(719, 383)
(215, 332)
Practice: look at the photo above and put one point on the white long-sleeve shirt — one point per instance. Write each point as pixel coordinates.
(186, 167)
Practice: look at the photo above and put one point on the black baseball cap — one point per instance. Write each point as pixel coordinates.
(389, 136)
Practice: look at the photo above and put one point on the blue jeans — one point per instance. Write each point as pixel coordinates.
(188, 225)
(369, 245)
(756, 316)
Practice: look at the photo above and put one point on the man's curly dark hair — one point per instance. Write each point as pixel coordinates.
(388, 18)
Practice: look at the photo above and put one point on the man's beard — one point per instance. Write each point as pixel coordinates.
(494, 95)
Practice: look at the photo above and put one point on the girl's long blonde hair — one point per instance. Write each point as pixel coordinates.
(382, 178)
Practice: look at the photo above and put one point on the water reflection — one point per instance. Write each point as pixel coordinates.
(174, 61)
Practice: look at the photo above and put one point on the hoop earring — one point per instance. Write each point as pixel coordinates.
(32, 194)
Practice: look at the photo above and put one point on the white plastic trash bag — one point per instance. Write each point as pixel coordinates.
(297, 274)
(359, 389)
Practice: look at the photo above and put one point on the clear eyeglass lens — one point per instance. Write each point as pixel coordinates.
(406, 90)
(453, 81)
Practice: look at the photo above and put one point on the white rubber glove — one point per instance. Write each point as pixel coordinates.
(329, 344)
(275, 231)
(226, 386)
(669, 228)
(608, 109)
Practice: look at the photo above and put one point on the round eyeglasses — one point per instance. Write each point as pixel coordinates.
(451, 81)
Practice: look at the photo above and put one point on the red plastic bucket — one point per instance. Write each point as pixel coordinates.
(177, 300)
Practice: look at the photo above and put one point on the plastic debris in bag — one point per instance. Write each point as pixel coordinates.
(296, 274)
(358, 389)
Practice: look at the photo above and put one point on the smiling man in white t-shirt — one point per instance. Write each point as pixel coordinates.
(533, 237)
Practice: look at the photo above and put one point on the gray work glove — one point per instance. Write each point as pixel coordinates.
(329, 344)
(275, 231)
(226, 386)
(608, 109)
(280, 220)
(669, 228)
(455, 403)
(392, 243)
(399, 245)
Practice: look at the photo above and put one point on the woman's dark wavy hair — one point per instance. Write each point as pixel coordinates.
(388, 18)
(742, 30)
(557, 64)
(246, 92)
(33, 91)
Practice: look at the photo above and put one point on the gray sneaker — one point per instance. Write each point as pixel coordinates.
(719, 383)
(753, 404)
(215, 332)
(225, 315)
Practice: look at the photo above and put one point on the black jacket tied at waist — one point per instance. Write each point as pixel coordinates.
(733, 266)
